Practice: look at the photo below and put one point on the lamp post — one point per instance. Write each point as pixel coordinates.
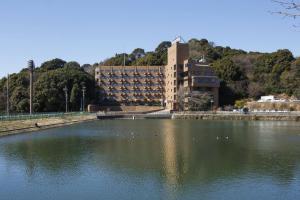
(31, 69)
(211, 104)
(7, 96)
(66, 95)
(83, 98)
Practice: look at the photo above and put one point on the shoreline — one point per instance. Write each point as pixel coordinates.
(8, 128)
(236, 117)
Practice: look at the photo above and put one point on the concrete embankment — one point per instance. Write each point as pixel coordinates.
(21, 126)
(246, 117)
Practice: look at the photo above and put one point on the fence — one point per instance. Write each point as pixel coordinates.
(262, 113)
(15, 117)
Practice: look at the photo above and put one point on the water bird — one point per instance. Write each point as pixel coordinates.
(227, 137)
(217, 138)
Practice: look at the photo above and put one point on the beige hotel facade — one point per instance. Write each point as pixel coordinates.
(157, 85)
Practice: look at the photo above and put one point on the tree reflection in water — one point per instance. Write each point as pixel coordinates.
(175, 152)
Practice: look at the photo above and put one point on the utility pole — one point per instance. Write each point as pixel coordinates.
(31, 69)
(7, 95)
(124, 64)
(66, 95)
(211, 104)
(83, 98)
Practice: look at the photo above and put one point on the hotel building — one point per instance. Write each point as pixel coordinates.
(157, 85)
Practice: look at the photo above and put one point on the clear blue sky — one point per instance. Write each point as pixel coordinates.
(89, 31)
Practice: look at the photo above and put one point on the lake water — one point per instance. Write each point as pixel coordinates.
(153, 159)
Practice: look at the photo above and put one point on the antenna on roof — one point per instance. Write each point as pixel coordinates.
(202, 60)
(178, 39)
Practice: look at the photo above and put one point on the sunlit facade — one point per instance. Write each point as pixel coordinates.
(156, 85)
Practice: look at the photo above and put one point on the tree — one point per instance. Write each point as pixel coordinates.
(138, 53)
(199, 101)
(118, 60)
(181, 98)
(163, 47)
(227, 70)
(53, 64)
(89, 68)
(49, 95)
(240, 104)
(72, 65)
(75, 97)
(2, 102)
(290, 8)
(150, 59)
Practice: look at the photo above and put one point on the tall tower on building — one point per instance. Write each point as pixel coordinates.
(177, 54)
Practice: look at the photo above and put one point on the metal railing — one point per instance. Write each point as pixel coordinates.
(14, 117)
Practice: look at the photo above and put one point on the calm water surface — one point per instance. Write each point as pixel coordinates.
(153, 159)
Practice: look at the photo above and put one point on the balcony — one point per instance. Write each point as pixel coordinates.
(137, 94)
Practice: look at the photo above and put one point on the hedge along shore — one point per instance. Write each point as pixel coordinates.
(240, 117)
(24, 126)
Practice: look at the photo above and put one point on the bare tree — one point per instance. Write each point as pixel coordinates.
(199, 101)
(291, 8)
(181, 97)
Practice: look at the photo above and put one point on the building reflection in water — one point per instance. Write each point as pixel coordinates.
(175, 153)
(170, 154)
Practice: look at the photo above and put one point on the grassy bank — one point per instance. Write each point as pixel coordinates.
(20, 126)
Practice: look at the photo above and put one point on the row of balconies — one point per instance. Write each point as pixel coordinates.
(130, 77)
(134, 73)
(137, 95)
(159, 89)
(131, 80)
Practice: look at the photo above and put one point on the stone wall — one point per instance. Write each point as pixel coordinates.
(246, 117)
(278, 106)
